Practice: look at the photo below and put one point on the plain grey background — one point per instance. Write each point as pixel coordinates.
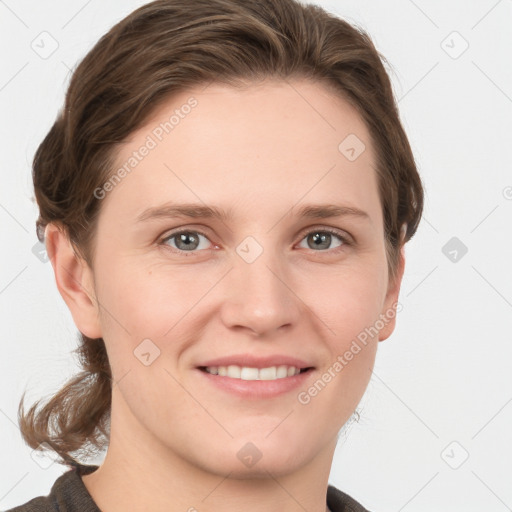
(435, 424)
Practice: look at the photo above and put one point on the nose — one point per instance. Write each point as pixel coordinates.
(259, 296)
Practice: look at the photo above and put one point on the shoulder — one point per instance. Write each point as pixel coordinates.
(338, 501)
(41, 504)
(68, 494)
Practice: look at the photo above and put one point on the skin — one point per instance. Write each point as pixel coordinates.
(262, 151)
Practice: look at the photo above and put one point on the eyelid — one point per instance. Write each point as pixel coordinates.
(177, 231)
(342, 234)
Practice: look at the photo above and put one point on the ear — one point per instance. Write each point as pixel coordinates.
(74, 281)
(389, 311)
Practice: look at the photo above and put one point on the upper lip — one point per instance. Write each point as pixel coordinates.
(257, 362)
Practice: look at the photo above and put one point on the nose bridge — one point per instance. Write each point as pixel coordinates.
(259, 297)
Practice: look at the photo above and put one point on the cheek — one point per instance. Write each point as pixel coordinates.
(146, 315)
(146, 300)
(349, 307)
(348, 300)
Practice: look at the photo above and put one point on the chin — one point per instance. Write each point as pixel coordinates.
(256, 459)
(275, 467)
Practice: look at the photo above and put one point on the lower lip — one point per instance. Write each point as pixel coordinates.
(257, 388)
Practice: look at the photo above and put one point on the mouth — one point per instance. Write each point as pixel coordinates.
(248, 373)
(256, 383)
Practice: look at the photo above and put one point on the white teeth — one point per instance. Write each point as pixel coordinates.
(282, 371)
(248, 373)
(269, 373)
(233, 372)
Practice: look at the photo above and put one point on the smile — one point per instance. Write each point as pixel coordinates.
(250, 373)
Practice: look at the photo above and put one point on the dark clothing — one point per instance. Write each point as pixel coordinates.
(69, 494)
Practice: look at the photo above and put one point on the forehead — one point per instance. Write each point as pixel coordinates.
(261, 145)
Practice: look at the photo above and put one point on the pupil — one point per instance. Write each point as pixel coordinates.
(320, 239)
(185, 238)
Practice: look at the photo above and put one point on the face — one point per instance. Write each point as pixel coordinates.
(279, 275)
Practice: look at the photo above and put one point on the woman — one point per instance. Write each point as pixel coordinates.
(225, 200)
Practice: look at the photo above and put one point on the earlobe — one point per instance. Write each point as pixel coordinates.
(391, 306)
(74, 281)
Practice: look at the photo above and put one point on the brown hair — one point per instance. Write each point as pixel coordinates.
(162, 48)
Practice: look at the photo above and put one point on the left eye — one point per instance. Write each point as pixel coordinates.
(185, 240)
(188, 241)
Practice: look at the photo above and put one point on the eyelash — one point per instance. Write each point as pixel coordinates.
(344, 239)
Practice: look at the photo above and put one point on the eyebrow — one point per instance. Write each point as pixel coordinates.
(198, 211)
